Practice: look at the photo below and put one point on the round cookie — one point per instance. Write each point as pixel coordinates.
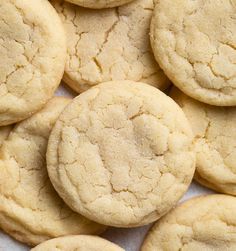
(109, 44)
(195, 44)
(204, 223)
(121, 154)
(33, 55)
(215, 142)
(78, 242)
(30, 209)
(4, 132)
(99, 4)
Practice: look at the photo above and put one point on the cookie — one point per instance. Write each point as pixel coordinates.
(4, 132)
(33, 55)
(78, 242)
(30, 209)
(195, 44)
(215, 142)
(109, 44)
(99, 4)
(120, 154)
(203, 223)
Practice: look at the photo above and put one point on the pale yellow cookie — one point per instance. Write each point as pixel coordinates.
(30, 209)
(78, 243)
(206, 223)
(110, 44)
(215, 142)
(195, 44)
(4, 132)
(99, 4)
(33, 54)
(121, 154)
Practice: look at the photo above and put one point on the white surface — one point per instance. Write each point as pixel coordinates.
(129, 239)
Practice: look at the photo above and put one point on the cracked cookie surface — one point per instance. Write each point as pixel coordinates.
(109, 44)
(215, 142)
(204, 223)
(120, 154)
(33, 55)
(79, 242)
(30, 209)
(195, 44)
(99, 4)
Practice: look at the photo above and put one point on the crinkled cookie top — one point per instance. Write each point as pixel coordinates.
(121, 153)
(195, 44)
(204, 223)
(32, 61)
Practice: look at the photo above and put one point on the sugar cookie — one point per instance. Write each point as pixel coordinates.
(33, 55)
(195, 44)
(78, 242)
(30, 209)
(204, 223)
(110, 44)
(215, 142)
(120, 154)
(99, 4)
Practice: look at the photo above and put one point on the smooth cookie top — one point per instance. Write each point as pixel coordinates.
(33, 54)
(204, 223)
(215, 142)
(78, 242)
(195, 44)
(120, 154)
(109, 44)
(30, 209)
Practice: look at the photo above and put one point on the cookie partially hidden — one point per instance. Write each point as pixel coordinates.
(195, 44)
(215, 142)
(78, 242)
(30, 209)
(202, 223)
(33, 56)
(121, 154)
(109, 44)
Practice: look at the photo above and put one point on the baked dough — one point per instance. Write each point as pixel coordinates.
(78, 242)
(99, 4)
(204, 223)
(109, 44)
(195, 44)
(30, 209)
(4, 132)
(215, 142)
(120, 154)
(33, 55)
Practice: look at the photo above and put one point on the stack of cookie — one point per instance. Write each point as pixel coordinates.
(120, 153)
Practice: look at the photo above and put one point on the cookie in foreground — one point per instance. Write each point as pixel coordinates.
(202, 223)
(121, 154)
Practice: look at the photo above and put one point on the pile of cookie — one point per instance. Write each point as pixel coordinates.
(121, 153)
